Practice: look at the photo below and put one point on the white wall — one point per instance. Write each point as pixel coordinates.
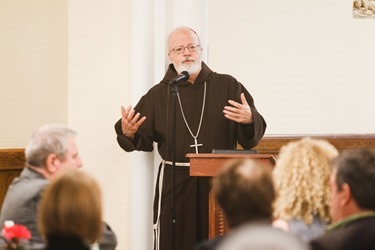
(99, 75)
(308, 64)
(33, 67)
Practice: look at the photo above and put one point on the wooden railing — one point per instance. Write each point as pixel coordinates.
(11, 164)
(271, 144)
(12, 160)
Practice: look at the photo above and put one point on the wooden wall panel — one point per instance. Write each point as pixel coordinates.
(271, 144)
(12, 161)
(11, 164)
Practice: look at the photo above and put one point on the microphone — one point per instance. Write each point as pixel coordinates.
(181, 77)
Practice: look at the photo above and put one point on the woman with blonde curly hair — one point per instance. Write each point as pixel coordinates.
(301, 177)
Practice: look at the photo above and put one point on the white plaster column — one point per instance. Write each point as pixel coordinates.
(151, 22)
(193, 14)
(141, 164)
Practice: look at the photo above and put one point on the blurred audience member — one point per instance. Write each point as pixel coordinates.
(70, 212)
(261, 237)
(51, 150)
(301, 178)
(352, 203)
(245, 192)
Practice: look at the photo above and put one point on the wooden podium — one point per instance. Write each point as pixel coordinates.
(209, 165)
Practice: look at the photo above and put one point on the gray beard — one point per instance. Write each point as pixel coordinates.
(191, 69)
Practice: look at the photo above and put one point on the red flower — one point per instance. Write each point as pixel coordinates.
(16, 232)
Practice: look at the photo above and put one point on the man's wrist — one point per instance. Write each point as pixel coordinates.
(127, 135)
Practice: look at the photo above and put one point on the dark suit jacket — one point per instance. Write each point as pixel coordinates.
(210, 244)
(58, 242)
(20, 205)
(358, 234)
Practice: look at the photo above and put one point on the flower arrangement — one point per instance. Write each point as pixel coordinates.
(15, 236)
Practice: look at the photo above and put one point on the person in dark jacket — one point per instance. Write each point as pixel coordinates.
(51, 150)
(352, 203)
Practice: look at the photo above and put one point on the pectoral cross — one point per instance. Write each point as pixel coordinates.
(196, 145)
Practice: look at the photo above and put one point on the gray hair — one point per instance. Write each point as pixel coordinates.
(48, 139)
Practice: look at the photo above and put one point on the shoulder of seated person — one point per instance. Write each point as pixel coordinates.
(281, 224)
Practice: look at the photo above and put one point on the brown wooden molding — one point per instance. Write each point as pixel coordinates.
(12, 158)
(12, 161)
(271, 144)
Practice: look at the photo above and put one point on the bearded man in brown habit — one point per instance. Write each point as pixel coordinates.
(214, 111)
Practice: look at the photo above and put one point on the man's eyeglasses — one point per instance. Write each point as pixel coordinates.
(181, 49)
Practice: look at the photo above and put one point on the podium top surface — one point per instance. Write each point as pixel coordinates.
(229, 156)
(209, 164)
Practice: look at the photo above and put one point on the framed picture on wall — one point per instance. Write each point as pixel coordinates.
(364, 9)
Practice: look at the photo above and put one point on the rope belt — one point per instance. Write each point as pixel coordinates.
(156, 226)
(178, 164)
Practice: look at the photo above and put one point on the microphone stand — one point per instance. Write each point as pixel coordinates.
(173, 206)
(181, 77)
